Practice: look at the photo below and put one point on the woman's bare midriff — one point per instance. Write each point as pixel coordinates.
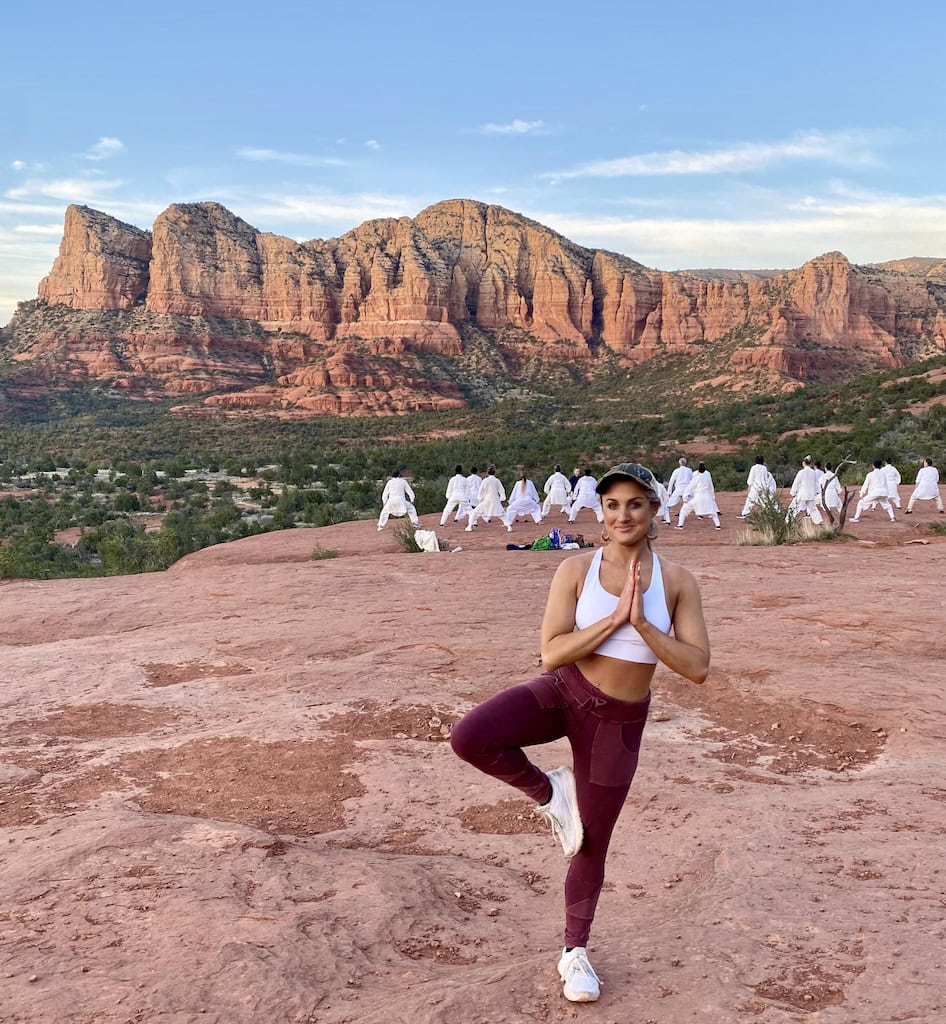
(625, 680)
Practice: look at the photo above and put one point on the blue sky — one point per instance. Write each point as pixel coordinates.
(682, 133)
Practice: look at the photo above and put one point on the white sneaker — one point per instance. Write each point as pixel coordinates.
(561, 812)
(582, 985)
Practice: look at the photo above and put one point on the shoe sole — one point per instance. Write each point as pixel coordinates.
(571, 792)
(581, 997)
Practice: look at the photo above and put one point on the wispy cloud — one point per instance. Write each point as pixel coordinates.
(293, 159)
(39, 229)
(867, 228)
(844, 148)
(327, 209)
(106, 148)
(372, 144)
(515, 127)
(70, 190)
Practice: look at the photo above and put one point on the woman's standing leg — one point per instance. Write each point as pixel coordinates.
(605, 755)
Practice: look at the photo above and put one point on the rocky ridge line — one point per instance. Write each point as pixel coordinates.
(379, 319)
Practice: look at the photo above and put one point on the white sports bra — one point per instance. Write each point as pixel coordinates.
(595, 603)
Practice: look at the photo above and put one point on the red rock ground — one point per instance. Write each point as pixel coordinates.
(226, 794)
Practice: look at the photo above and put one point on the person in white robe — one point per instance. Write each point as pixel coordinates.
(492, 496)
(663, 495)
(584, 495)
(396, 501)
(558, 491)
(700, 497)
(676, 486)
(819, 473)
(830, 489)
(523, 501)
(874, 492)
(927, 487)
(893, 478)
(759, 481)
(458, 497)
(474, 483)
(806, 493)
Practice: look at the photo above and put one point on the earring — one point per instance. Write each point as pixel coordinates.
(605, 537)
(652, 530)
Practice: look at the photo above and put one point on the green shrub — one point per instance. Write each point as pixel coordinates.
(404, 535)
(319, 554)
(770, 522)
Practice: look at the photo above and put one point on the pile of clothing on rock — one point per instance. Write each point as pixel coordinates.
(554, 540)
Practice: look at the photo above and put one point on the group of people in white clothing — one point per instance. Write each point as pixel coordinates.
(881, 487)
(815, 488)
(474, 498)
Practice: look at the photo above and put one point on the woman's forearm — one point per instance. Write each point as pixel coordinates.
(685, 659)
(567, 648)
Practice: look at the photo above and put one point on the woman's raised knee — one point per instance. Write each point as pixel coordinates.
(467, 740)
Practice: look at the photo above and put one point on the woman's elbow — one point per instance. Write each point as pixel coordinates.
(700, 671)
(549, 661)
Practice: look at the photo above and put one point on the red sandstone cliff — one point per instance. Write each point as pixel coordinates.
(349, 325)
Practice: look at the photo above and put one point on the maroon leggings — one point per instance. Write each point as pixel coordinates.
(605, 737)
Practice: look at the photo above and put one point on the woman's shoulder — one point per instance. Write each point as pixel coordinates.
(576, 565)
(676, 575)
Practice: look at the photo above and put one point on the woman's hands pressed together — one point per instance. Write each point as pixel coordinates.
(630, 607)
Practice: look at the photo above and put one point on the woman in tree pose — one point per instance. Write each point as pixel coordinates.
(607, 623)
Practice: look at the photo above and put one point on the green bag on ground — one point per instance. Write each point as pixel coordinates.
(542, 544)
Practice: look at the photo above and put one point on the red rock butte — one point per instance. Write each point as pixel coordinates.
(392, 316)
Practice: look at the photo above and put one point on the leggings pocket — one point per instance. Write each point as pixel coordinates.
(614, 752)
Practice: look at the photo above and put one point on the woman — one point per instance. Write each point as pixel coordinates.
(523, 501)
(700, 497)
(831, 489)
(558, 491)
(607, 624)
(927, 487)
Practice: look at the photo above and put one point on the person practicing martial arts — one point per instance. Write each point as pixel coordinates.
(396, 501)
(893, 478)
(700, 498)
(927, 487)
(806, 493)
(760, 481)
(458, 497)
(830, 489)
(873, 493)
(558, 491)
(574, 478)
(474, 483)
(607, 623)
(492, 496)
(585, 496)
(523, 501)
(676, 487)
(662, 495)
